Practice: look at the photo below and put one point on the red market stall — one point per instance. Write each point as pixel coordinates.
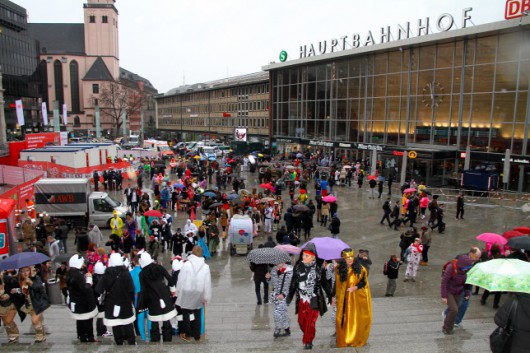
(8, 238)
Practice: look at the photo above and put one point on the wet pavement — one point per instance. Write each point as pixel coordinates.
(409, 321)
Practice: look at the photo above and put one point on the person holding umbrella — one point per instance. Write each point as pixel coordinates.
(308, 283)
(353, 301)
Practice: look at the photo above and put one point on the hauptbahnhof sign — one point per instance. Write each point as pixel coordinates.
(445, 22)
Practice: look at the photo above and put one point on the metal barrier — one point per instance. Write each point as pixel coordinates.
(498, 198)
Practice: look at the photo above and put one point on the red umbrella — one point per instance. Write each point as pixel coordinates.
(153, 213)
(509, 234)
(524, 230)
(265, 186)
(372, 177)
(302, 191)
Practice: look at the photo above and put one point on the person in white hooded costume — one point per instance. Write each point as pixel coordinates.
(194, 289)
(190, 227)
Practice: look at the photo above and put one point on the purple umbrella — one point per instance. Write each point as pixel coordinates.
(327, 248)
(23, 259)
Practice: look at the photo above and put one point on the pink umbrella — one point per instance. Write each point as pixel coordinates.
(291, 249)
(409, 190)
(493, 238)
(329, 198)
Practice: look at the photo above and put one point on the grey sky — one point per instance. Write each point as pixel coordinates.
(202, 40)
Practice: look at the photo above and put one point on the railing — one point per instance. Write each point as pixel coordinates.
(507, 199)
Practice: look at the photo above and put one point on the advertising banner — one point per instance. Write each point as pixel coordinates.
(42, 139)
(240, 134)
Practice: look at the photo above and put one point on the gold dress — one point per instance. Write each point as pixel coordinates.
(354, 310)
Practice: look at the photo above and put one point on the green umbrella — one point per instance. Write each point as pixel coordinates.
(501, 275)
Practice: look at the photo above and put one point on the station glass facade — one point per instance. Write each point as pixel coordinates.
(442, 95)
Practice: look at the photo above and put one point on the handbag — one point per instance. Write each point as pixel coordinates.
(500, 338)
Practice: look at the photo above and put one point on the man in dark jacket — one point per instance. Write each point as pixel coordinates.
(387, 211)
(260, 272)
(520, 339)
(82, 302)
(289, 220)
(334, 226)
(395, 214)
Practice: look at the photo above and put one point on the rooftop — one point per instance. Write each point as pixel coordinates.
(225, 82)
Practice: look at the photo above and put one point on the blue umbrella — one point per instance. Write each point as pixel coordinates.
(212, 158)
(23, 259)
(178, 186)
(209, 194)
(232, 196)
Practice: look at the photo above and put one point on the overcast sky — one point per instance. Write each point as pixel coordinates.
(169, 41)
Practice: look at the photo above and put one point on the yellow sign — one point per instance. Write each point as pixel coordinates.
(412, 154)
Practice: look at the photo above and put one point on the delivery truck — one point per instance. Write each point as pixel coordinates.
(72, 200)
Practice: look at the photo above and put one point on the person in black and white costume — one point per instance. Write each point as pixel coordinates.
(101, 329)
(81, 301)
(118, 287)
(176, 266)
(280, 279)
(156, 297)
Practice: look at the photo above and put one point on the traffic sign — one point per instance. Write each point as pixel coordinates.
(413, 154)
(283, 56)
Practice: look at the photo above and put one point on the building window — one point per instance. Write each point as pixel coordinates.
(58, 77)
(77, 121)
(95, 88)
(74, 86)
(105, 19)
(92, 19)
(43, 71)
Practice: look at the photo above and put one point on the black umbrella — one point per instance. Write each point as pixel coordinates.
(215, 205)
(270, 256)
(63, 258)
(301, 208)
(519, 243)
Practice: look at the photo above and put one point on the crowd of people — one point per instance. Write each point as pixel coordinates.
(122, 283)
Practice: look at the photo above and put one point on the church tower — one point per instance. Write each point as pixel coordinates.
(102, 34)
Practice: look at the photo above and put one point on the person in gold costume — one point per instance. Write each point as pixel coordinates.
(353, 302)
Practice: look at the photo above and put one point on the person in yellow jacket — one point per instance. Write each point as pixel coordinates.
(116, 224)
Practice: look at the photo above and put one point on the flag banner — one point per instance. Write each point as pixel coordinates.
(44, 113)
(65, 115)
(20, 112)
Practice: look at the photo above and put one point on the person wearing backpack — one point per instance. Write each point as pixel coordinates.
(452, 286)
(391, 270)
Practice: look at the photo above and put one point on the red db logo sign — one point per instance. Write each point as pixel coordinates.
(516, 8)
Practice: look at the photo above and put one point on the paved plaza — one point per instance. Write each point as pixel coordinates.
(410, 321)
